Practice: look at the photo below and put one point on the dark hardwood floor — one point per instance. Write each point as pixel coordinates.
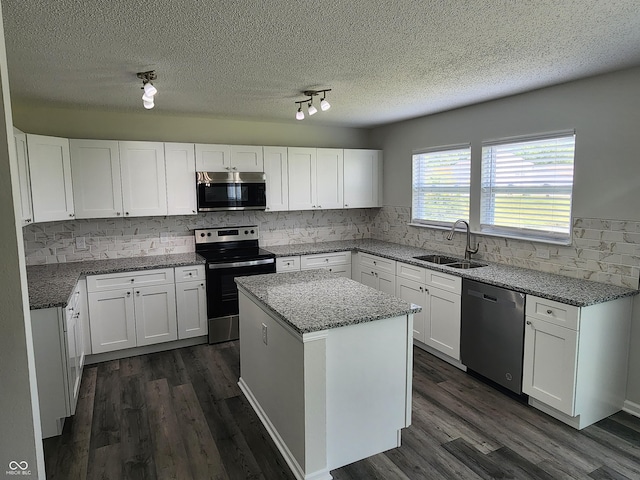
(180, 415)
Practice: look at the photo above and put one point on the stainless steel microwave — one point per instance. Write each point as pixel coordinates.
(231, 191)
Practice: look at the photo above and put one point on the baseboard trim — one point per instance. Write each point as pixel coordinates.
(632, 408)
(146, 349)
(440, 355)
(277, 439)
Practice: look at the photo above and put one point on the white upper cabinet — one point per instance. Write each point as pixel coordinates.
(246, 158)
(50, 174)
(181, 178)
(276, 170)
(315, 178)
(213, 158)
(362, 178)
(95, 170)
(228, 158)
(144, 185)
(26, 207)
(329, 178)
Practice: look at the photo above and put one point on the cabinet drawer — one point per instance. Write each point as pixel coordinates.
(189, 273)
(379, 263)
(325, 260)
(411, 272)
(444, 281)
(114, 281)
(553, 312)
(340, 270)
(287, 264)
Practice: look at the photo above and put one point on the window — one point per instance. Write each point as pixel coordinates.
(441, 185)
(526, 187)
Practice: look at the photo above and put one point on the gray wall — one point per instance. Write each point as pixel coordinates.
(20, 435)
(154, 125)
(604, 111)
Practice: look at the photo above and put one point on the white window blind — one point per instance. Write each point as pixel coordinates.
(527, 187)
(441, 185)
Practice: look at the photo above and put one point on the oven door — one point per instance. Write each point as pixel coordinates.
(222, 294)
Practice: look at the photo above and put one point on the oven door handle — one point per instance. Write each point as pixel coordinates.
(250, 263)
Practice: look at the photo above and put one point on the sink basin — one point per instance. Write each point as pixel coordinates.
(466, 265)
(439, 259)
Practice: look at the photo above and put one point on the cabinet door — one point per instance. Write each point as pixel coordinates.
(155, 311)
(144, 185)
(302, 179)
(73, 333)
(26, 208)
(181, 178)
(95, 172)
(368, 278)
(549, 369)
(414, 292)
(191, 303)
(112, 320)
(442, 321)
(329, 174)
(362, 178)
(213, 158)
(50, 174)
(386, 282)
(246, 158)
(275, 168)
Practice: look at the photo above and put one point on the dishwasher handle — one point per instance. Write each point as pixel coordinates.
(493, 299)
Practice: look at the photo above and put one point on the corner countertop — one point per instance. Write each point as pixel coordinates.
(571, 291)
(315, 300)
(51, 285)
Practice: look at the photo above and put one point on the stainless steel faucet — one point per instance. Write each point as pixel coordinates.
(467, 250)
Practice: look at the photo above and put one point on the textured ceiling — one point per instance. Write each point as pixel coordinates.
(385, 60)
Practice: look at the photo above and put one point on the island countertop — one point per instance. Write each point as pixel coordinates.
(315, 300)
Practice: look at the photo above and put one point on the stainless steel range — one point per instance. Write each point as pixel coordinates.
(230, 252)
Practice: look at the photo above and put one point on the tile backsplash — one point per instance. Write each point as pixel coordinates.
(603, 250)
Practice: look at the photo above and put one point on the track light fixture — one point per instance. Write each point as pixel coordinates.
(324, 105)
(149, 90)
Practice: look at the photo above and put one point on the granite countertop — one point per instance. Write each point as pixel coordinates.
(571, 291)
(51, 285)
(315, 300)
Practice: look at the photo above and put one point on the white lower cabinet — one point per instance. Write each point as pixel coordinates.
(142, 313)
(338, 263)
(377, 272)
(191, 301)
(288, 264)
(59, 348)
(575, 359)
(439, 295)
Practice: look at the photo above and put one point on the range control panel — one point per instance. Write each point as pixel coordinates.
(226, 234)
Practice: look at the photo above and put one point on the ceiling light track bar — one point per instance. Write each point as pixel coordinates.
(324, 105)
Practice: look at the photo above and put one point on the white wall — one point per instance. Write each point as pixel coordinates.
(604, 111)
(20, 436)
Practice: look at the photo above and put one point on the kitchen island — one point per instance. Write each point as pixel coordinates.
(326, 363)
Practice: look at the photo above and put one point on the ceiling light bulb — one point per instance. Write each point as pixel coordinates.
(324, 105)
(148, 104)
(299, 114)
(147, 98)
(312, 109)
(149, 89)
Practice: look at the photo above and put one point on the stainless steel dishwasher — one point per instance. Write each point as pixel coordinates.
(492, 333)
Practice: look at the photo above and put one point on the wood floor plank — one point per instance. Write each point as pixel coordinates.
(202, 452)
(606, 473)
(170, 366)
(517, 466)
(476, 461)
(105, 427)
(106, 463)
(168, 449)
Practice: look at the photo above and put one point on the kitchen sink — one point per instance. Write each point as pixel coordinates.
(466, 265)
(439, 259)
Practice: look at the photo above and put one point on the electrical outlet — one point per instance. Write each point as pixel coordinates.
(542, 253)
(264, 334)
(80, 243)
(164, 237)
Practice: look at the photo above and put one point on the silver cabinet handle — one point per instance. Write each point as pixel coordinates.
(128, 294)
(202, 285)
(126, 213)
(529, 322)
(549, 312)
(138, 293)
(118, 213)
(133, 279)
(71, 214)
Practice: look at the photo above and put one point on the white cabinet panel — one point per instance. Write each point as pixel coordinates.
(329, 178)
(191, 303)
(50, 174)
(112, 320)
(362, 178)
(120, 280)
(287, 264)
(95, 171)
(155, 313)
(386, 282)
(246, 158)
(190, 273)
(213, 158)
(377, 272)
(302, 179)
(414, 292)
(276, 170)
(442, 321)
(144, 185)
(26, 207)
(181, 178)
